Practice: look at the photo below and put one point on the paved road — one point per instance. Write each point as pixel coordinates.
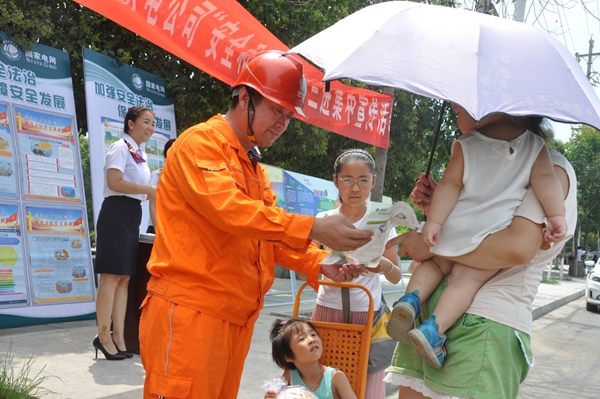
(566, 344)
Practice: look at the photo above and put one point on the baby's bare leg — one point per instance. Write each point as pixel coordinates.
(458, 295)
(427, 277)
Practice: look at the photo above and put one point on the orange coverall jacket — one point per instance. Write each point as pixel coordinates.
(219, 232)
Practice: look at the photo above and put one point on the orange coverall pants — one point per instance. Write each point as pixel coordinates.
(217, 352)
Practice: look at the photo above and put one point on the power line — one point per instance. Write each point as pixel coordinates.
(587, 24)
(567, 22)
(532, 5)
(598, 9)
(541, 13)
(588, 11)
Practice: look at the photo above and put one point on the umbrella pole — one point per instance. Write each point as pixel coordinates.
(434, 143)
(435, 137)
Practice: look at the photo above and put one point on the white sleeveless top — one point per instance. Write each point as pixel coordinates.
(495, 179)
(508, 296)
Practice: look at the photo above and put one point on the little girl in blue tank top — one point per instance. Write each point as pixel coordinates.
(297, 349)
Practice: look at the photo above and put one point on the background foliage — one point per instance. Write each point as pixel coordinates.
(583, 151)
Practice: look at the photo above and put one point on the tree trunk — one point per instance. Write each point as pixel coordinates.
(576, 237)
(380, 162)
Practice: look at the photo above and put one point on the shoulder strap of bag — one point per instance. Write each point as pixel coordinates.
(383, 309)
(346, 304)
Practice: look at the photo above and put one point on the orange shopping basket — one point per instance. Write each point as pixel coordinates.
(345, 346)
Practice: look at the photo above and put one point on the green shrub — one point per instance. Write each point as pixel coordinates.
(19, 385)
(552, 281)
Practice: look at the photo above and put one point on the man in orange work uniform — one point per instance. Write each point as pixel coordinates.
(220, 235)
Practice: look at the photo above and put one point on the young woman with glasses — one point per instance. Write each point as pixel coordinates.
(354, 176)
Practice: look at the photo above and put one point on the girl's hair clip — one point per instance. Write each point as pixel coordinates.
(283, 322)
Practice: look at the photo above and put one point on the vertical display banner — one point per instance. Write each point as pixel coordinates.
(308, 195)
(302, 194)
(277, 184)
(45, 257)
(110, 90)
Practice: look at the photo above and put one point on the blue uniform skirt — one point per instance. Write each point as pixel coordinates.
(118, 236)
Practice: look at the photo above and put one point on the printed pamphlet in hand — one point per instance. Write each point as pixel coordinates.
(380, 221)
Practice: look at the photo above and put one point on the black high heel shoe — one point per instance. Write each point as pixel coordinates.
(126, 353)
(108, 356)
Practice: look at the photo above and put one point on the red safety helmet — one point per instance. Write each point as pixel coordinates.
(278, 78)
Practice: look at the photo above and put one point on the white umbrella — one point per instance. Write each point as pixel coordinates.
(483, 63)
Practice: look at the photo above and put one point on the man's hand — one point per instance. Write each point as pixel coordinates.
(412, 244)
(341, 273)
(422, 194)
(339, 234)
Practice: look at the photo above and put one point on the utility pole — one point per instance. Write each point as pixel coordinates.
(590, 58)
(520, 10)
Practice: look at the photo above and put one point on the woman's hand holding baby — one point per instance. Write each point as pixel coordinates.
(423, 192)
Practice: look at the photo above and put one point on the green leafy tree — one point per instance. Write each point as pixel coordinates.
(84, 149)
(23, 23)
(583, 151)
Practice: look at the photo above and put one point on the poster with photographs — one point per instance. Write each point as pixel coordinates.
(8, 177)
(58, 249)
(13, 280)
(48, 156)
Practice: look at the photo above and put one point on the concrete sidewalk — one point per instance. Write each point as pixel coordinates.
(65, 351)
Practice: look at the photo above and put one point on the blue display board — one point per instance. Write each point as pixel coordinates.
(307, 195)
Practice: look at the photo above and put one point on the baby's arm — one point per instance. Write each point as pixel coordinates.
(341, 386)
(549, 192)
(431, 232)
(445, 195)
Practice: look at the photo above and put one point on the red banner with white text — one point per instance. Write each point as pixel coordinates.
(217, 36)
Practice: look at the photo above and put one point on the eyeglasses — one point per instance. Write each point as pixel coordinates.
(362, 182)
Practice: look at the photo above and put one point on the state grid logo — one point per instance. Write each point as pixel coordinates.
(11, 50)
(137, 81)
